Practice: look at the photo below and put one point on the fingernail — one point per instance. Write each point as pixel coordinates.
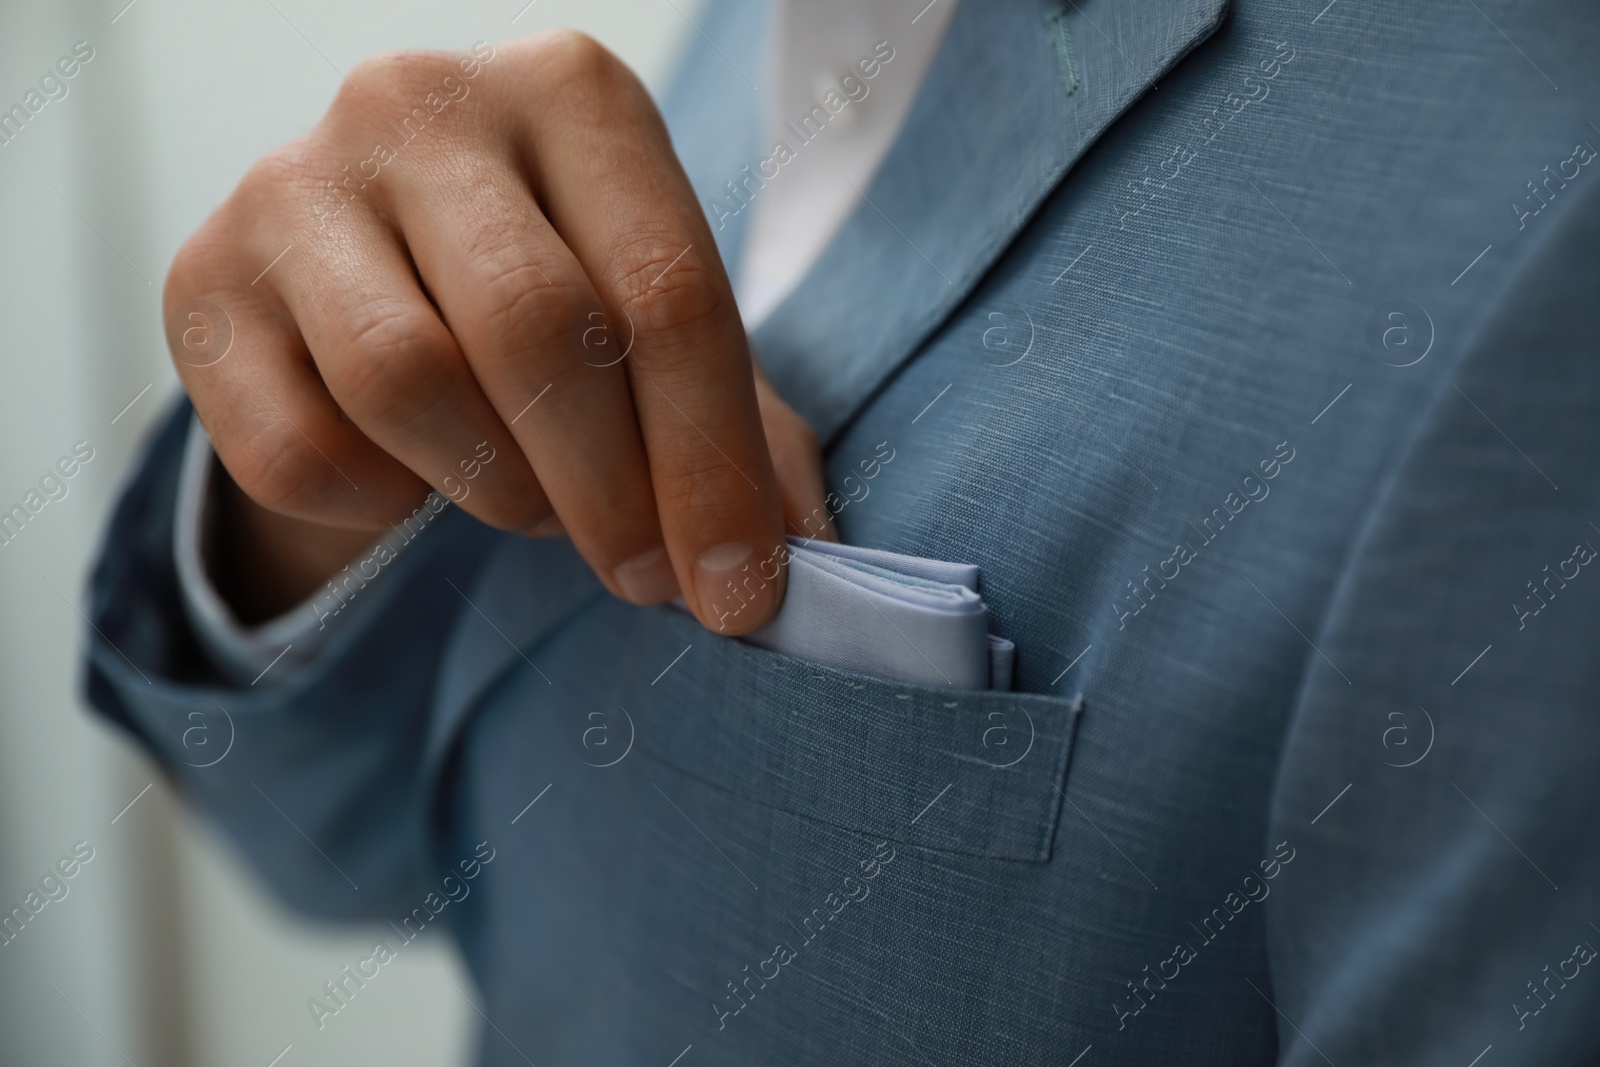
(647, 578)
(550, 527)
(733, 594)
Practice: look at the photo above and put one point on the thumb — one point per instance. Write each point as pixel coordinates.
(797, 461)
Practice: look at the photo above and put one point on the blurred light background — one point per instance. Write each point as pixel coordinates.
(165, 953)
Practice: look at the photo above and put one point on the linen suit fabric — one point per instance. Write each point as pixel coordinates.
(1201, 751)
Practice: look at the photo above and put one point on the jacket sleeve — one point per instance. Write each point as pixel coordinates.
(319, 777)
(1443, 803)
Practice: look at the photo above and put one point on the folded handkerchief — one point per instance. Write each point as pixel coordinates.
(913, 620)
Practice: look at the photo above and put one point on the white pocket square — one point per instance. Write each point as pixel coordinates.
(913, 620)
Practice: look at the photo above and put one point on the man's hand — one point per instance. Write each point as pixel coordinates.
(491, 251)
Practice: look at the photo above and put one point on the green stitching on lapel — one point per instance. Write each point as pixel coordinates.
(1066, 58)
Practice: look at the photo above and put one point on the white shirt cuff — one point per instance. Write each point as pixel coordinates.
(246, 654)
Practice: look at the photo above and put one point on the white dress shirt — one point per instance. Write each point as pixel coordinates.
(814, 47)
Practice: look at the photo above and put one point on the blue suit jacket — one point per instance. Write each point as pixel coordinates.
(1250, 353)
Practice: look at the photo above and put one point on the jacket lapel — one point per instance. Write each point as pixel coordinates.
(1018, 92)
(713, 108)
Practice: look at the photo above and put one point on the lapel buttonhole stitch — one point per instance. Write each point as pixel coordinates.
(1066, 57)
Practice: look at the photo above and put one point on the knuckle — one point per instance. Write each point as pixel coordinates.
(522, 307)
(279, 470)
(608, 523)
(616, 520)
(282, 170)
(571, 57)
(508, 510)
(672, 301)
(393, 365)
(702, 485)
(508, 497)
(579, 77)
(265, 200)
(401, 91)
(405, 73)
(285, 164)
(198, 268)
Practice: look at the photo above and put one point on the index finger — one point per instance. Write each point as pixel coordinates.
(602, 166)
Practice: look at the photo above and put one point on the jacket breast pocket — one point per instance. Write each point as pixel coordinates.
(978, 773)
